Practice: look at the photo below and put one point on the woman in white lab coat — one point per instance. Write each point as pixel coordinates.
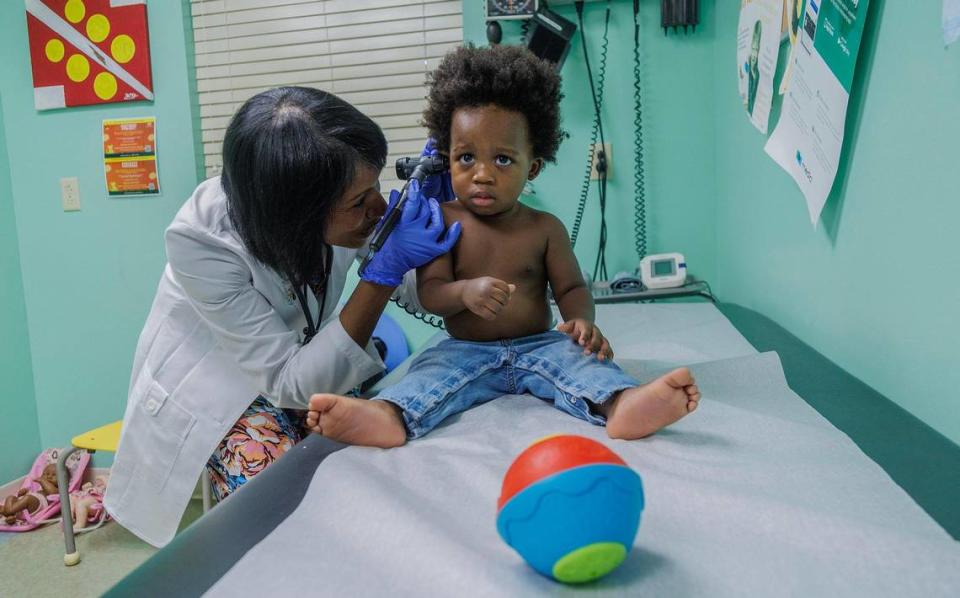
(243, 322)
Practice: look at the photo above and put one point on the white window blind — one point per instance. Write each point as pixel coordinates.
(373, 53)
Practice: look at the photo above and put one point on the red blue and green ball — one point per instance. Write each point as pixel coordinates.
(571, 507)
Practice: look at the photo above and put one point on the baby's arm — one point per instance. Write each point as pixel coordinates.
(441, 294)
(571, 293)
(569, 289)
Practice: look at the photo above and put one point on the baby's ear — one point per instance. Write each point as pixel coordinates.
(535, 167)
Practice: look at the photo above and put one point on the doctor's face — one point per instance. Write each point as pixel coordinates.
(355, 215)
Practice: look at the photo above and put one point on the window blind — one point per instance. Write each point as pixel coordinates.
(373, 53)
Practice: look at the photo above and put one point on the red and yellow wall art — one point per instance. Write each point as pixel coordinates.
(88, 52)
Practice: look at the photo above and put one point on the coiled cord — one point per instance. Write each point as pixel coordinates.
(597, 128)
(639, 180)
(426, 318)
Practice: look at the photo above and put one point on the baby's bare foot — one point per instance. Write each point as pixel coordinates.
(363, 422)
(642, 410)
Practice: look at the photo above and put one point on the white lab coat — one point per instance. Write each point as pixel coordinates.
(223, 329)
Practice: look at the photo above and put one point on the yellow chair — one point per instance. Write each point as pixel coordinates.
(104, 438)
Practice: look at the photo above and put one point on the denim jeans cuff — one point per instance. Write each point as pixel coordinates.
(411, 425)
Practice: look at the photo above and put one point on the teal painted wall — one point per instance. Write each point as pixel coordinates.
(676, 75)
(19, 435)
(875, 288)
(89, 277)
(81, 283)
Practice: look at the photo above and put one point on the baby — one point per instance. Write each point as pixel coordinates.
(33, 499)
(496, 111)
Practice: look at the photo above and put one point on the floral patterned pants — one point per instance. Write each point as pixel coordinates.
(261, 435)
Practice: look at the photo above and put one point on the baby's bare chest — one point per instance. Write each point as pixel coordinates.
(516, 255)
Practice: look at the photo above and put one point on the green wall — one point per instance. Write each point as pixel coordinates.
(875, 288)
(89, 276)
(19, 435)
(676, 75)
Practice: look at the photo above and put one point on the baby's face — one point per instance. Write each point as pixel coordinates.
(50, 473)
(490, 158)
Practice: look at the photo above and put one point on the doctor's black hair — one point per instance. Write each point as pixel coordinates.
(511, 77)
(289, 154)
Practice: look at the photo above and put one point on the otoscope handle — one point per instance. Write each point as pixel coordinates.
(427, 165)
(389, 221)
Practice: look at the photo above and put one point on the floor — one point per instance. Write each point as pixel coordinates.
(31, 563)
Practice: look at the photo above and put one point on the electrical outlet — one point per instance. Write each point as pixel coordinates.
(70, 194)
(607, 149)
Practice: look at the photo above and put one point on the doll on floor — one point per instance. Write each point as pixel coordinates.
(86, 504)
(31, 501)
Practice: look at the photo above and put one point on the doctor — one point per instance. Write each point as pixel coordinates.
(243, 322)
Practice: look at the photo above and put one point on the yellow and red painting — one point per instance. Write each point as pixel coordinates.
(88, 52)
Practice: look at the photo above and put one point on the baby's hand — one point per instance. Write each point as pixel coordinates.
(487, 296)
(587, 335)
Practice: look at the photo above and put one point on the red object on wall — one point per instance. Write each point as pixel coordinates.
(88, 52)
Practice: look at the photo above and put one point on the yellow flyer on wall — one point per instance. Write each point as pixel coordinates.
(130, 156)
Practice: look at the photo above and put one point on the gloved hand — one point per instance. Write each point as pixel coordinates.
(418, 237)
(437, 186)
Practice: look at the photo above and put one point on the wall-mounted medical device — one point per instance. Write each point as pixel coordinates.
(663, 271)
(679, 13)
(549, 36)
(511, 9)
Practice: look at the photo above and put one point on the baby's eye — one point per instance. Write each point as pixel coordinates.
(504, 160)
(466, 158)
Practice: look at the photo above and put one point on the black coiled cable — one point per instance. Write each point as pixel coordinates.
(426, 318)
(600, 265)
(597, 129)
(639, 182)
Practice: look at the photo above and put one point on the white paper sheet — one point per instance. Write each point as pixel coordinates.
(755, 494)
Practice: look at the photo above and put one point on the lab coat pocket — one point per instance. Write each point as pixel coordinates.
(164, 424)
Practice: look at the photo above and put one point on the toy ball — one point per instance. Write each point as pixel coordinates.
(570, 507)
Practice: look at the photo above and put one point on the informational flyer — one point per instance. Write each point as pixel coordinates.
(792, 11)
(130, 156)
(758, 45)
(809, 136)
(951, 21)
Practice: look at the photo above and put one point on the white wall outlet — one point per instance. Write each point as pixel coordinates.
(607, 149)
(70, 194)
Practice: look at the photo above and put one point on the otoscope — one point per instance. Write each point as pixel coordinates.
(408, 169)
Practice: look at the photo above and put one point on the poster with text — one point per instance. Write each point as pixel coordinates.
(130, 156)
(809, 136)
(758, 45)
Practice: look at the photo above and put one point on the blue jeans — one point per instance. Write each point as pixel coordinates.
(456, 375)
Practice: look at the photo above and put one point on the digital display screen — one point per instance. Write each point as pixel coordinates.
(663, 267)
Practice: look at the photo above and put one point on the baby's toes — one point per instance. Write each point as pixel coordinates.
(692, 406)
(692, 390)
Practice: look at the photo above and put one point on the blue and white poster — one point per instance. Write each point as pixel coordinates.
(809, 136)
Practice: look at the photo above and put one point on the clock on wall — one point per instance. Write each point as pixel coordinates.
(511, 9)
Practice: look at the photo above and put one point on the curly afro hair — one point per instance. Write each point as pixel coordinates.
(510, 77)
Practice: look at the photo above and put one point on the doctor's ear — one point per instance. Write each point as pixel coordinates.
(535, 167)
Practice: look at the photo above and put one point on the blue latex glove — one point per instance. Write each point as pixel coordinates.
(437, 186)
(418, 238)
